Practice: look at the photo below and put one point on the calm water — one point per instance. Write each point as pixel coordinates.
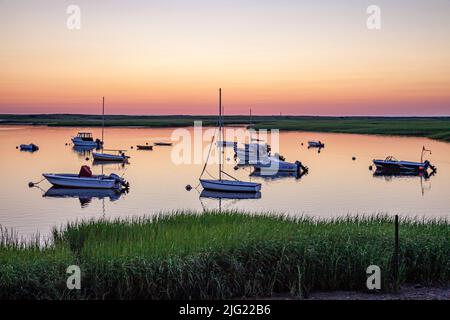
(335, 185)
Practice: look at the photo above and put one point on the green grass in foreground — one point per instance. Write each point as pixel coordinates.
(229, 255)
(430, 127)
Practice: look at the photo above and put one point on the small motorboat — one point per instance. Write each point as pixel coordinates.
(252, 153)
(146, 147)
(85, 139)
(120, 157)
(86, 180)
(230, 185)
(29, 147)
(316, 144)
(274, 164)
(392, 164)
(163, 143)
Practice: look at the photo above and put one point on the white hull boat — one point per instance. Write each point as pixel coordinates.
(109, 157)
(222, 185)
(85, 139)
(67, 180)
(273, 164)
(230, 185)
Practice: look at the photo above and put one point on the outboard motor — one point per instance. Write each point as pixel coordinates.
(301, 167)
(99, 142)
(120, 180)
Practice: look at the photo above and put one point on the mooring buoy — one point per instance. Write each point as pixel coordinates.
(188, 187)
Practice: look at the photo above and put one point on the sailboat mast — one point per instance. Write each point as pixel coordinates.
(220, 132)
(103, 122)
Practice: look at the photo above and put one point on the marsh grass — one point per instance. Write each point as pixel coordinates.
(185, 255)
(431, 127)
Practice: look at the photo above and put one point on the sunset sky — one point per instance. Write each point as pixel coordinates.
(170, 56)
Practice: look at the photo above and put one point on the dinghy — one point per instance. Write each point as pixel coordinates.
(85, 139)
(29, 147)
(315, 144)
(224, 185)
(139, 147)
(163, 143)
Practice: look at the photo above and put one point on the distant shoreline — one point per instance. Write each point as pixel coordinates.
(429, 127)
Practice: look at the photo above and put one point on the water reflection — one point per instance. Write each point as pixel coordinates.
(85, 195)
(277, 175)
(390, 176)
(83, 151)
(229, 195)
(118, 165)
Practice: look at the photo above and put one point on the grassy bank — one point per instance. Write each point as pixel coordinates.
(222, 256)
(435, 128)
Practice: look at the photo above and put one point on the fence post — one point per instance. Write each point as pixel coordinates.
(396, 255)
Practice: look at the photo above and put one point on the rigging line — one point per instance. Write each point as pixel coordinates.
(209, 152)
(229, 175)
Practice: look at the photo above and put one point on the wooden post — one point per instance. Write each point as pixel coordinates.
(396, 255)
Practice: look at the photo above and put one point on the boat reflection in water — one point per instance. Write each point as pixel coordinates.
(389, 176)
(85, 195)
(119, 165)
(83, 150)
(276, 175)
(229, 195)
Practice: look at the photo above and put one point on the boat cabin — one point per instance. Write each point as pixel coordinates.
(85, 136)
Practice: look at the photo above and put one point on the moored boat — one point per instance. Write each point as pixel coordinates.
(315, 144)
(85, 139)
(68, 180)
(275, 164)
(29, 147)
(163, 143)
(230, 185)
(120, 157)
(146, 147)
(392, 164)
(86, 180)
(220, 184)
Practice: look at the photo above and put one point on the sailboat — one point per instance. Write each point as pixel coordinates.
(220, 184)
(102, 156)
